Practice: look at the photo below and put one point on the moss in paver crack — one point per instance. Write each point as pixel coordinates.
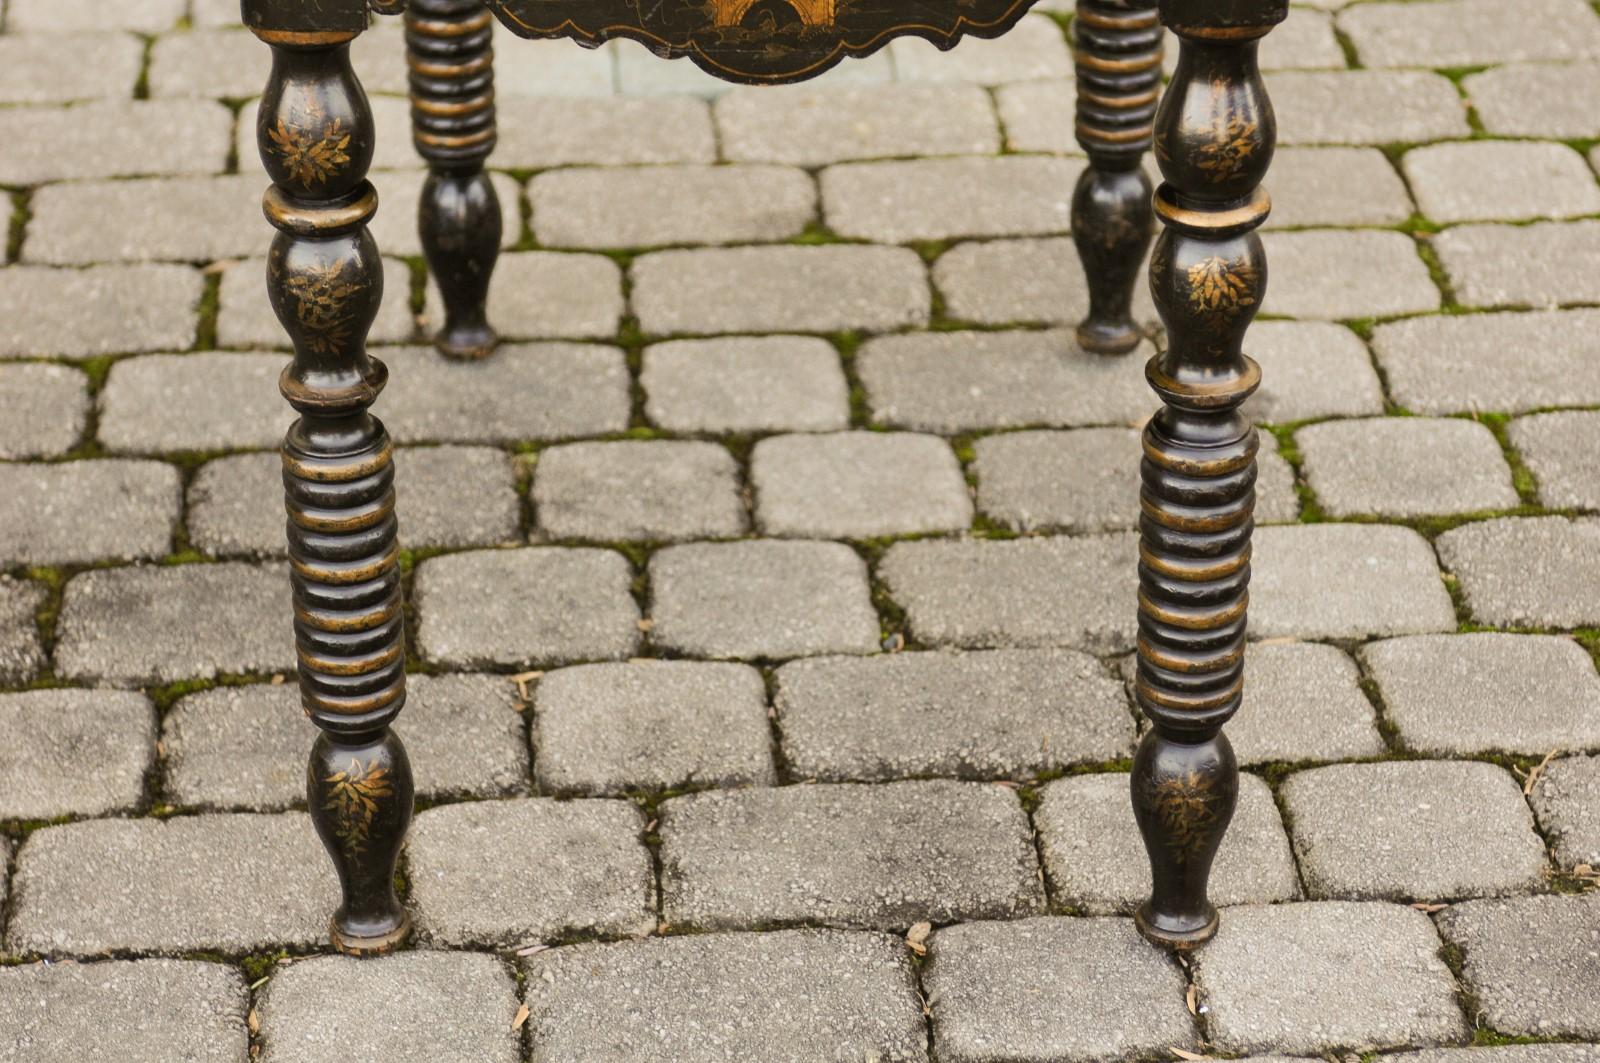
(205, 333)
(21, 214)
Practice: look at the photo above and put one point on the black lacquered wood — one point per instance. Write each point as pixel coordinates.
(1118, 59)
(325, 281)
(761, 41)
(1214, 138)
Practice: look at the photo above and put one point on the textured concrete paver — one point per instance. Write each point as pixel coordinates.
(132, 625)
(106, 66)
(1302, 978)
(136, 308)
(113, 138)
(87, 511)
(1531, 962)
(651, 725)
(47, 407)
(940, 199)
(1008, 282)
(846, 855)
(543, 133)
(1335, 186)
(1339, 274)
(413, 1007)
(792, 996)
(1302, 701)
(740, 384)
(20, 653)
(1311, 369)
(546, 605)
(1559, 449)
(1345, 581)
(1487, 692)
(1550, 1052)
(858, 485)
(761, 600)
(508, 873)
(1096, 861)
(1051, 990)
(244, 747)
(1413, 830)
(161, 403)
(56, 16)
(1035, 48)
(813, 127)
(1506, 180)
(579, 296)
(1471, 32)
(156, 1011)
(660, 490)
(1008, 713)
(1537, 99)
(74, 752)
(232, 884)
(1566, 800)
(1544, 265)
(1405, 467)
(1366, 107)
(1533, 572)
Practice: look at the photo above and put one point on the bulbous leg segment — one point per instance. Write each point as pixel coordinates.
(1112, 226)
(461, 225)
(1183, 799)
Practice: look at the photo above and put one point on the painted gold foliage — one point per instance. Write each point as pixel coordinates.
(1187, 807)
(311, 158)
(1234, 140)
(322, 296)
(1219, 289)
(353, 798)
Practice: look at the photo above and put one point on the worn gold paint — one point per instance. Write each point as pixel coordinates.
(312, 157)
(322, 300)
(1187, 807)
(1220, 289)
(353, 799)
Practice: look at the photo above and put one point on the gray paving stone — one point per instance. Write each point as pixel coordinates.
(101, 310)
(1305, 40)
(653, 206)
(1006, 282)
(1541, 265)
(1035, 48)
(1566, 799)
(104, 66)
(20, 652)
(184, 219)
(507, 873)
(1537, 99)
(1453, 364)
(545, 605)
(1096, 861)
(539, 134)
(777, 289)
(1397, 466)
(939, 199)
(651, 725)
(1088, 480)
(1559, 449)
(1302, 701)
(80, 511)
(1001, 713)
(1335, 187)
(1341, 274)
(578, 296)
(761, 600)
(1471, 32)
(114, 138)
(414, 1006)
(1502, 180)
(1311, 369)
(808, 126)
(245, 318)
(446, 497)
(953, 382)
(74, 752)
(1531, 962)
(244, 747)
(1413, 831)
(1488, 692)
(1365, 107)
(232, 884)
(1052, 990)
(858, 485)
(210, 63)
(878, 857)
(1039, 115)
(162, 403)
(656, 490)
(1345, 581)
(165, 623)
(47, 409)
(160, 1010)
(787, 997)
(739, 384)
(1531, 572)
(1066, 591)
(545, 68)
(1519, 1053)
(52, 16)
(1305, 978)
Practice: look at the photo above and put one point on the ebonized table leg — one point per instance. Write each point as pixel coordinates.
(451, 59)
(1214, 141)
(325, 281)
(1118, 61)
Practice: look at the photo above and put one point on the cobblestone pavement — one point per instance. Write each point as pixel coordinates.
(825, 588)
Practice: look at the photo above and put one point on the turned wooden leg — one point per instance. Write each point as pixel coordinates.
(453, 124)
(1214, 140)
(1118, 60)
(325, 282)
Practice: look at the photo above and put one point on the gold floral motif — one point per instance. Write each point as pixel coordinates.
(353, 798)
(1219, 289)
(1186, 805)
(312, 159)
(1234, 140)
(322, 296)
